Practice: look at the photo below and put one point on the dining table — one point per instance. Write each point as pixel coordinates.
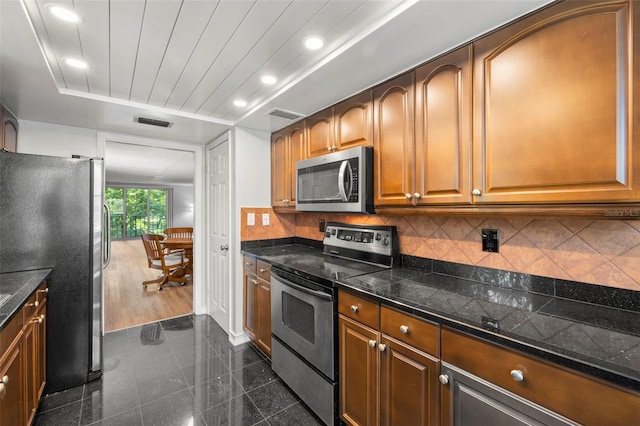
(185, 244)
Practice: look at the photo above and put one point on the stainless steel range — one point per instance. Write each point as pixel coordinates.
(304, 302)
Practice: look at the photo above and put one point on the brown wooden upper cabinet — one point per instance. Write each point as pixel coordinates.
(393, 153)
(345, 125)
(287, 147)
(9, 133)
(442, 165)
(555, 118)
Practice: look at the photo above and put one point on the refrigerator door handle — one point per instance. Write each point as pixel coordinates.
(106, 253)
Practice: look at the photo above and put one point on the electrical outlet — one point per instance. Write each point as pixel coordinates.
(490, 241)
(321, 225)
(265, 219)
(251, 219)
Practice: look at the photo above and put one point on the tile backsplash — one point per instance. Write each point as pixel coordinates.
(604, 252)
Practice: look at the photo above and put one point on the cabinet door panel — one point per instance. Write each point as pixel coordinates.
(320, 132)
(250, 304)
(558, 128)
(408, 385)
(393, 108)
(263, 335)
(296, 153)
(12, 398)
(358, 373)
(443, 129)
(353, 120)
(279, 177)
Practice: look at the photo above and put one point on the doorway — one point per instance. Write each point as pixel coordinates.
(150, 181)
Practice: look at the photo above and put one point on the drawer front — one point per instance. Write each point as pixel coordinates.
(264, 270)
(30, 307)
(358, 309)
(571, 394)
(408, 329)
(249, 264)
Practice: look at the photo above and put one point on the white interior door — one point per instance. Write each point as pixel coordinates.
(218, 264)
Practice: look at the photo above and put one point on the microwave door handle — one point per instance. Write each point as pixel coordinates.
(341, 186)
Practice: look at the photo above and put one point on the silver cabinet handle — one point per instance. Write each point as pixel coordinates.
(382, 347)
(408, 196)
(354, 309)
(404, 329)
(517, 375)
(476, 192)
(372, 343)
(444, 379)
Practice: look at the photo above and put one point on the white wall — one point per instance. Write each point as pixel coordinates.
(251, 168)
(182, 206)
(56, 140)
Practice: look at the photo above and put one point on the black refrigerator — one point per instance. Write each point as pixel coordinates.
(51, 216)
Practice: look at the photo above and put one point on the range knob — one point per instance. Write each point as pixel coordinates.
(385, 241)
(378, 237)
(327, 234)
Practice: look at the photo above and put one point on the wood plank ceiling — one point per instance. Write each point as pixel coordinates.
(193, 57)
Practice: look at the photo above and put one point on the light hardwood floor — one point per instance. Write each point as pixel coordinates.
(126, 302)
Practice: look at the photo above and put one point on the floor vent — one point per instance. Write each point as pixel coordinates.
(152, 122)
(287, 115)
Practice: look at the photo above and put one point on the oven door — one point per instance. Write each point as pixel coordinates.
(303, 317)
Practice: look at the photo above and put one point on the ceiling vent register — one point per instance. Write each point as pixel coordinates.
(152, 122)
(287, 115)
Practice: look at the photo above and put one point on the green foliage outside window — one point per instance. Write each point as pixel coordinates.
(136, 211)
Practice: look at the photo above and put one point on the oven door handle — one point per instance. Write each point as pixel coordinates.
(303, 289)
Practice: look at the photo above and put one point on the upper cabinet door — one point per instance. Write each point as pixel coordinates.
(443, 129)
(296, 153)
(555, 118)
(393, 109)
(279, 169)
(353, 121)
(320, 133)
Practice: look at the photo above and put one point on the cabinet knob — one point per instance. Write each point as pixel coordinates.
(35, 304)
(372, 343)
(444, 379)
(417, 195)
(382, 347)
(262, 270)
(354, 309)
(248, 264)
(46, 290)
(255, 282)
(329, 148)
(517, 375)
(404, 329)
(476, 192)
(38, 319)
(408, 196)
(3, 386)
(5, 379)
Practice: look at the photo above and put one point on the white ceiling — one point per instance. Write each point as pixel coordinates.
(185, 61)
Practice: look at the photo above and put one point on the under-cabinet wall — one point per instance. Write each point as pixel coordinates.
(603, 252)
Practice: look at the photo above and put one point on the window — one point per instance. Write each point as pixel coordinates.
(137, 211)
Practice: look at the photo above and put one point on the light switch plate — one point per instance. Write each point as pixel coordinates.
(251, 219)
(265, 219)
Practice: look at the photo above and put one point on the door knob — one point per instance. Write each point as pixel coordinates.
(225, 247)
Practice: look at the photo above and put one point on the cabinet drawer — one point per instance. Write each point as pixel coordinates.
(249, 264)
(571, 394)
(408, 329)
(264, 270)
(42, 292)
(30, 307)
(359, 309)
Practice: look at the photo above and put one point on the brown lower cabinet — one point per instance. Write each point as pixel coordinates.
(384, 380)
(23, 363)
(257, 302)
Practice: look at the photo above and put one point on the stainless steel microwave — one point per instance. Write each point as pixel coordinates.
(341, 181)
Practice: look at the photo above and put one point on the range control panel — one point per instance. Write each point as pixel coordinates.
(366, 238)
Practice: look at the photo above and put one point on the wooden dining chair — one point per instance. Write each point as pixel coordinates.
(171, 264)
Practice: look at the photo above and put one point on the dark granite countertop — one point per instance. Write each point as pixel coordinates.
(602, 341)
(19, 286)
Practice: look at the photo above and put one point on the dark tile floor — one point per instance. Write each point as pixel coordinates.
(178, 372)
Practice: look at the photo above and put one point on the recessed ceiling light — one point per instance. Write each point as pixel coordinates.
(240, 103)
(269, 79)
(64, 14)
(313, 42)
(76, 63)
